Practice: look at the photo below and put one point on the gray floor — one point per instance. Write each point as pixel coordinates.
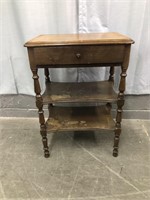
(81, 166)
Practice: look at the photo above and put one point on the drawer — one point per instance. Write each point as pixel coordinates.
(79, 54)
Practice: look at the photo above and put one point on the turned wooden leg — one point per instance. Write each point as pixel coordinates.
(45, 142)
(43, 127)
(116, 142)
(108, 106)
(111, 73)
(120, 101)
(111, 79)
(47, 78)
(120, 104)
(117, 130)
(39, 104)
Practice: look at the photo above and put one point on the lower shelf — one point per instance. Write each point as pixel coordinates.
(79, 119)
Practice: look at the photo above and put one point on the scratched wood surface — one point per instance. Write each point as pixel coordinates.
(79, 50)
(79, 118)
(79, 92)
(76, 39)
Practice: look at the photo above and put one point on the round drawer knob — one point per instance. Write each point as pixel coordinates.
(78, 55)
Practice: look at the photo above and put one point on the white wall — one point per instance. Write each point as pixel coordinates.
(24, 19)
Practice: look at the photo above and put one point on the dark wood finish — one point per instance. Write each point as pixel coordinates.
(47, 78)
(79, 119)
(39, 103)
(79, 50)
(120, 101)
(111, 76)
(41, 112)
(79, 55)
(79, 92)
(111, 79)
(78, 65)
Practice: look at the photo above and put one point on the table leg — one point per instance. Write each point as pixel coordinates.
(111, 78)
(39, 104)
(47, 78)
(120, 104)
(111, 73)
(120, 101)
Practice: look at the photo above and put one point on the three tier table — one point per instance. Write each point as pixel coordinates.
(79, 50)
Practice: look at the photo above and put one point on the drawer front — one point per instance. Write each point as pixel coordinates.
(79, 54)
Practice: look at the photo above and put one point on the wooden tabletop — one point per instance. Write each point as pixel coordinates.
(79, 39)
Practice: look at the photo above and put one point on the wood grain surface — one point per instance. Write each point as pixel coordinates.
(76, 39)
(79, 118)
(79, 92)
(68, 55)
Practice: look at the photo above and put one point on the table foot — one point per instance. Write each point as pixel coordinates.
(46, 154)
(115, 152)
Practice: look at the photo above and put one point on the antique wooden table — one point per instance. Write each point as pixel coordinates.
(79, 50)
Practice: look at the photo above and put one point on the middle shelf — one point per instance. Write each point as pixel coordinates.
(81, 92)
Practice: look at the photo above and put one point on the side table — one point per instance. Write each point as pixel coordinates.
(79, 50)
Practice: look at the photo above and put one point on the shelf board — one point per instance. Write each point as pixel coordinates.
(79, 119)
(82, 92)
